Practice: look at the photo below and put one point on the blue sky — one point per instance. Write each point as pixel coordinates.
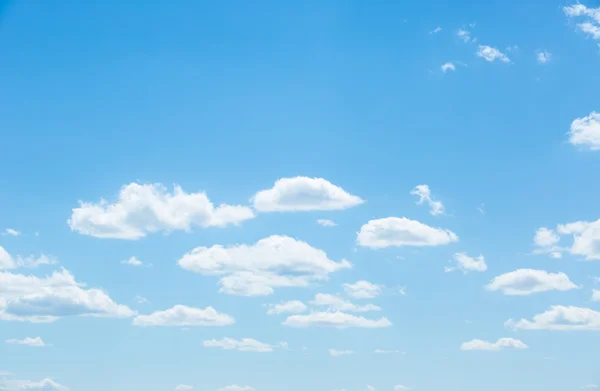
(317, 195)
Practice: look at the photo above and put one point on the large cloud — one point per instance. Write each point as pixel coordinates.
(338, 320)
(523, 282)
(304, 194)
(586, 239)
(502, 343)
(142, 209)
(40, 300)
(397, 232)
(181, 315)
(560, 318)
(254, 270)
(585, 132)
(590, 16)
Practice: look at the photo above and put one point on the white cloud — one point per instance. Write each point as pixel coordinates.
(338, 320)
(596, 295)
(336, 303)
(339, 353)
(34, 342)
(254, 270)
(143, 209)
(467, 263)
(132, 261)
(585, 132)
(591, 26)
(382, 351)
(465, 36)
(6, 260)
(435, 30)
(524, 282)
(181, 315)
(304, 194)
(236, 388)
(545, 237)
(30, 262)
(424, 193)
(141, 299)
(243, 345)
(40, 300)
(543, 56)
(449, 66)
(326, 223)
(7, 384)
(491, 54)
(400, 387)
(502, 343)
(293, 307)
(398, 232)
(561, 318)
(183, 387)
(362, 290)
(11, 232)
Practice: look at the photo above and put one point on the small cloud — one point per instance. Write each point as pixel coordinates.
(132, 261)
(591, 386)
(435, 30)
(491, 54)
(400, 387)
(465, 36)
(384, 351)
(183, 387)
(467, 263)
(424, 194)
(543, 56)
(481, 209)
(141, 300)
(36, 342)
(326, 223)
(339, 353)
(596, 295)
(502, 343)
(449, 66)
(512, 49)
(11, 232)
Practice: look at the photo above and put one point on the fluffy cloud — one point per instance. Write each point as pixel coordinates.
(491, 54)
(585, 132)
(36, 342)
(423, 191)
(502, 343)
(336, 303)
(524, 282)
(234, 387)
(143, 209)
(560, 318)
(40, 300)
(132, 261)
(338, 320)
(255, 270)
(9, 384)
(293, 307)
(591, 25)
(31, 262)
(304, 194)
(545, 237)
(6, 260)
(398, 232)
(362, 290)
(449, 66)
(543, 56)
(326, 223)
(243, 345)
(339, 353)
(183, 387)
(467, 263)
(181, 315)
(586, 240)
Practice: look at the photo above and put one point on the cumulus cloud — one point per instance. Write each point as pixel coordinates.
(543, 56)
(362, 290)
(9, 384)
(36, 342)
(491, 54)
(234, 387)
(502, 343)
(304, 194)
(326, 223)
(339, 353)
(337, 319)
(560, 318)
(243, 345)
(255, 270)
(41, 300)
(586, 240)
(423, 191)
(292, 307)
(132, 261)
(524, 282)
(398, 232)
(181, 315)
(585, 132)
(336, 303)
(143, 209)
(466, 263)
(590, 17)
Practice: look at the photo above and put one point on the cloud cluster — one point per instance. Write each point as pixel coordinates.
(586, 240)
(398, 232)
(590, 16)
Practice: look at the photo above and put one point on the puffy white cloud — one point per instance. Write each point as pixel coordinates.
(33, 299)
(591, 26)
(423, 191)
(6, 260)
(543, 56)
(181, 315)
(336, 303)
(11, 232)
(449, 66)
(398, 232)
(502, 343)
(339, 353)
(183, 387)
(254, 270)
(143, 209)
(545, 237)
(586, 240)
(326, 223)
(561, 318)
(338, 320)
(304, 194)
(585, 132)
(8, 384)
(362, 290)
(524, 282)
(491, 54)
(132, 261)
(243, 345)
(234, 387)
(293, 307)
(467, 263)
(596, 295)
(465, 36)
(36, 342)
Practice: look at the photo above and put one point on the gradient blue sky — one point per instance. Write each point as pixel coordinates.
(226, 98)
